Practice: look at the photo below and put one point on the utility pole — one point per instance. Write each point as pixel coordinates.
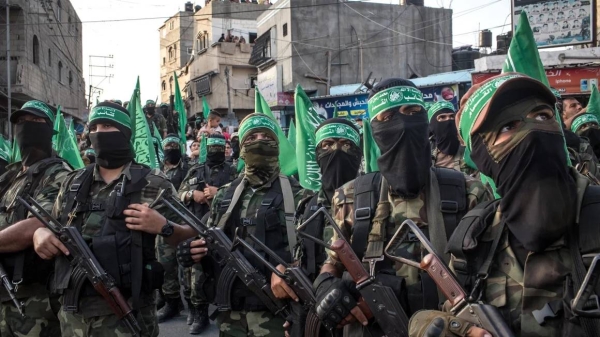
(103, 66)
(8, 72)
(361, 60)
(229, 110)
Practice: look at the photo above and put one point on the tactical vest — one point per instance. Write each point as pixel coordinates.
(128, 256)
(26, 267)
(202, 177)
(180, 174)
(312, 255)
(268, 230)
(473, 258)
(452, 205)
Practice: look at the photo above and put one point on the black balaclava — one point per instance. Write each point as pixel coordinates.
(235, 147)
(339, 164)
(405, 158)
(113, 149)
(445, 134)
(34, 141)
(215, 154)
(172, 156)
(530, 171)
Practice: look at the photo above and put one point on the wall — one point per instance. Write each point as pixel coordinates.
(59, 33)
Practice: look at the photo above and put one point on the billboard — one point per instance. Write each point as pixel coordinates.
(353, 106)
(557, 23)
(442, 93)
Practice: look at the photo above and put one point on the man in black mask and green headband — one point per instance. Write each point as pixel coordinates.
(197, 192)
(156, 121)
(447, 151)
(110, 221)
(408, 187)
(264, 201)
(39, 174)
(531, 249)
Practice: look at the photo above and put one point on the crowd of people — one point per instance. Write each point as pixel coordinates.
(504, 191)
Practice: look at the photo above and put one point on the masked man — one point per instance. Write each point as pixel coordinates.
(39, 174)
(156, 121)
(265, 205)
(539, 229)
(413, 189)
(120, 191)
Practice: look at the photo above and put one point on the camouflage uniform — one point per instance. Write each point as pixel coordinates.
(257, 323)
(413, 209)
(40, 306)
(190, 277)
(455, 162)
(157, 123)
(95, 316)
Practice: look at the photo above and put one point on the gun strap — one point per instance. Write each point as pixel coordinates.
(377, 235)
(365, 203)
(234, 199)
(435, 219)
(289, 209)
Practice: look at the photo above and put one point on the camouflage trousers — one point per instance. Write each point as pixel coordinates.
(166, 255)
(191, 280)
(41, 319)
(76, 325)
(250, 323)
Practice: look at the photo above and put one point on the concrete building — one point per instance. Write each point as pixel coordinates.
(219, 65)
(176, 49)
(322, 43)
(46, 57)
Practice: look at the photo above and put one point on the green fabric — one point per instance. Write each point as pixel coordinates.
(180, 108)
(523, 56)
(257, 122)
(240, 165)
(40, 106)
(583, 119)
(106, 112)
(64, 142)
(393, 98)
(338, 130)
(205, 108)
(215, 141)
(309, 172)
(292, 135)
(15, 153)
(170, 140)
(370, 149)
(89, 152)
(287, 158)
(437, 106)
(203, 149)
(556, 93)
(593, 106)
(150, 102)
(4, 149)
(141, 139)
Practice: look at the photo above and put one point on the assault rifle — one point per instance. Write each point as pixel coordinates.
(377, 300)
(232, 262)
(82, 258)
(586, 303)
(10, 289)
(482, 315)
(306, 323)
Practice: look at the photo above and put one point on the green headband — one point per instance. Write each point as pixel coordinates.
(170, 140)
(338, 130)
(215, 141)
(89, 151)
(40, 106)
(257, 121)
(556, 93)
(393, 98)
(110, 113)
(150, 102)
(436, 107)
(583, 119)
(475, 104)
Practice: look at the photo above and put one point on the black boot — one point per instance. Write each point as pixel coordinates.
(171, 309)
(191, 311)
(200, 319)
(159, 299)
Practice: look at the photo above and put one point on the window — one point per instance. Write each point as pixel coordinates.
(164, 60)
(70, 78)
(251, 37)
(171, 53)
(171, 25)
(164, 85)
(58, 11)
(261, 52)
(202, 41)
(285, 29)
(36, 50)
(171, 83)
(60, 67)
(49, 57)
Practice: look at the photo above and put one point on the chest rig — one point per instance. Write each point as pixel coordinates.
(201, 177)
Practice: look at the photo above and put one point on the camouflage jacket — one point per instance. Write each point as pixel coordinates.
(455, 162)
(176, 174)
(401, 209)
(518, 290)
(90, 306)
(159, 122)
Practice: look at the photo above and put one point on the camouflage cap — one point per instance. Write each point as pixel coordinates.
(439, 106)
(256, 122)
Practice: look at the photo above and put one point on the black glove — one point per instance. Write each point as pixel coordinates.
(184, 253)
(335, 299)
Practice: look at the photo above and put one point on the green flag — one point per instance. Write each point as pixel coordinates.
(240, 165)
(287, 157)
(65, 142)
(141, 139)
(292, 135)
(4, 149)
(593, 106)
(307, 119)
(15, 153)
(180, 108)
(370, 148)
(205, 108)
(203, 150)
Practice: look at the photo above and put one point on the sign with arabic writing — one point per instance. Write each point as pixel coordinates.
(447, 93)
(353, 106)
(557, 23)
(569, 81)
